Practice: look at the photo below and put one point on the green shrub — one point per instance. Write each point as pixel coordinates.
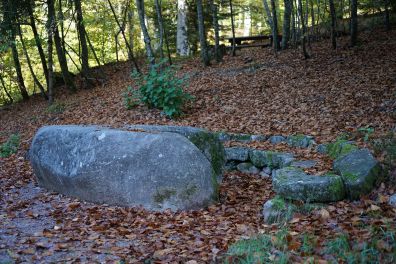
(56, 108)
(160, 88)
(10, 146)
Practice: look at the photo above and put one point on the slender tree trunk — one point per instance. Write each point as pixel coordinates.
(17, 64)
(269, 16)
(333, 24)
(354, 22)
(304, 38)
(312, 19)
(147, 40)
(286, 23)
(36, 81)
(123, 35)
(167, 45)
(387, 20)
(50, 31)
(293, 26)
(202, 35)
(232, 28)
(5, 89)
(216, 31)
(37, 41)
(275, 26)
(83, 42)
(182, 46)
(60, 22)
(160, 26)
(59, 49)
(130, 30)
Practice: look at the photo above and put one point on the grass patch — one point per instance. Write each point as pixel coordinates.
(56, 108)
(10, 146)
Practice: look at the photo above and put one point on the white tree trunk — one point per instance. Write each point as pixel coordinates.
(182, 37)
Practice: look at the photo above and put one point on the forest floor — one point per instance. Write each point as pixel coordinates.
(256, 92)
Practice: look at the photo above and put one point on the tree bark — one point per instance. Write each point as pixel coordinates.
(387, 20)
(269, 16)
(275, 26)
(182, 45)
(232, 28)
(286, 23)
(130, 30)
(50, 25)
(160, 27)
(83, 43)
(216, 30)
(354, 22)
(202, 35)
(147, 40)
(5, 89)
(333, 24)
(37, 41)
(304, 38)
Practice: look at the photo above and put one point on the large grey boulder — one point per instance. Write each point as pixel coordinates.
(207, 142)
(154, 170)
(359, 171)
(293, 183)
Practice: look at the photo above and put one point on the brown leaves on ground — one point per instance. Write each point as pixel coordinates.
(334, 91)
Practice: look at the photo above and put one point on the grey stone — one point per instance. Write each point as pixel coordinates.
(321, 148)
(245, 138)
(276, 139)
(5, 258)
(265, 175)
(247, 167)
(206, 141)
(222, 136)
(277, 211)
(231, 165)
(154, 170)
(267, 170)
(293, 183)
(261, 158)
(300, 141)
(359, 171)
(258, 138)
(392, 200)
(304, 164)
(237, 153)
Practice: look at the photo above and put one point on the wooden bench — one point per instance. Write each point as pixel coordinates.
(246, 41)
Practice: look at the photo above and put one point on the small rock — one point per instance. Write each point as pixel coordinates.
(245, 138)
(265, 175)
(321, 148)
(223, 136)
(237, 153)
(276, 139)
(258, 138)
(267, 170)
(277, 211)
(392, 200)
(261, 158)
(247, 167)
(300, 141)
(5, 258)
(231, 165)
(304, 164)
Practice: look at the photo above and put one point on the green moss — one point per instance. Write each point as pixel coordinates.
(241, 137)
(337, 188)
(188, 192)
(340, 148)
(350, 176)
(164, 194)
(278, 203)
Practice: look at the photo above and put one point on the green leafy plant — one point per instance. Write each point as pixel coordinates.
(56, 108)
(159, 88)
(10, 146)
(366, 131)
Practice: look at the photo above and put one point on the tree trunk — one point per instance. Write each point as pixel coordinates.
(286, 23)
(312, 19)
(387, 21)
(275, 26)
(36, 81)
(130, 30)
(304, 38)
(147, 40)
(83, 42)
(202, 35)
(333, 24)
(160, 27)
(50, 32)
(232, 28)
(5, 89)
(123, 35)
(269, 16)
(37, 41)
(216, 31)
(59, 48)
(354, 22)
(182, 46)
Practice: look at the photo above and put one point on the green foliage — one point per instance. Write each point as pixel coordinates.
(366, 131)
(56, 108)
(159, 88)
(340, 147)
(10, 146)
